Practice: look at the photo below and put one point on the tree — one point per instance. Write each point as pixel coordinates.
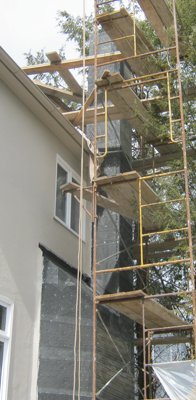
(73, 29)
(40, 58)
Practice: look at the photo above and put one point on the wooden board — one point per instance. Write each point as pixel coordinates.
(88, 102)
(67, 76)
(130, 305)
(159, 161)
(118, 25)
(132, 109)
(113, 114)
(74, 63)
(159, 15)
(56, 92)
(102, 201)
(123, 195)
(61, 106)
(126, 101)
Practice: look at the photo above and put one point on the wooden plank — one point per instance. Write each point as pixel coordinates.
(88, 102)
(159, 15)
(126, 195)
(123, 195)
(113, 114)
(130, 305)
(131, 180)
(120, 296)
(56, 92)
(118, 25)
(133, 110)
(74, 63)
(102, 201)
(66, 75)
(159, 161)
(62, 107)
(127, 102)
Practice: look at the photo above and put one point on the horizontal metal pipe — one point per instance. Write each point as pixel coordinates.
(180, 171)
(139, 56)
(171, 294)
(163, 202)
(166, 231)
(171, 328)
(142, 266)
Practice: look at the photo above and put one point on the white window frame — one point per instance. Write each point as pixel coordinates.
(6, 337)
(71, 174)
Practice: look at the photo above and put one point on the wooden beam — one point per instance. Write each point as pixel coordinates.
(159, 161)
(160, 16)
(126, 101)
(66, 75)
(119, 25)
(56, 92)
(102, 201)
(74, 63)
(62, 107)
(133, 110)
(122, 192)
(113, 114)
(88, 102)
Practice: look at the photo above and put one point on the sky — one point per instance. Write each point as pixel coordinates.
(33, 26)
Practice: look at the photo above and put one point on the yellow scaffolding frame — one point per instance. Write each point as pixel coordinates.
(171, 95)
(105, 135)
(171, 120)
(141, 206)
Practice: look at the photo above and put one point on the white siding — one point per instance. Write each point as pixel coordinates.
(27, 175)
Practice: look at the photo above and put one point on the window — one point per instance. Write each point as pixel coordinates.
(6, 316)
(67, 206)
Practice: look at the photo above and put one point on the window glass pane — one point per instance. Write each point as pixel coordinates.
(74, 212)
(61, 198)
(3, 311)
(1, 359)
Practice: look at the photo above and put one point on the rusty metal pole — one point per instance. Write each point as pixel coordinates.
(94, 294)
(186, 173)
(149, 362)
(144, 349)
(95, 207)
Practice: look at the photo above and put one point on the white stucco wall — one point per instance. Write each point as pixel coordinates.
(27, 175)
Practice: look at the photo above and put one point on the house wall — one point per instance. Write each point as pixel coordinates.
(27, 176)
(56, 358)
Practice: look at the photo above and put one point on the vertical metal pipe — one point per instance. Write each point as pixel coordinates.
(94, 204)
(134, 36)
(144, 349)
(140, 219)
(94, 293)
(149, 362)
(106, 122)
(170, 109)
(186, 174)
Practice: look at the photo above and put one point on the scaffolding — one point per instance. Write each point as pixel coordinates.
(145, 195)
(138, 85)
